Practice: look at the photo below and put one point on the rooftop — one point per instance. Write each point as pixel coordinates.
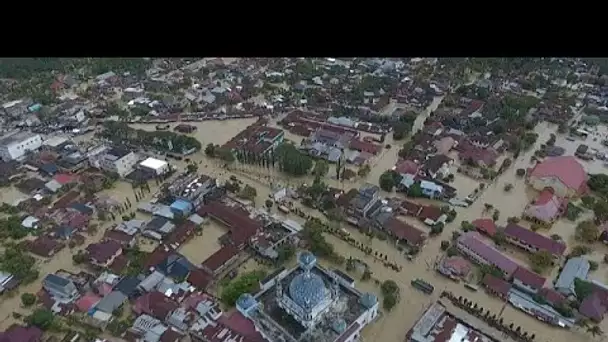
(153, 163)
(15, 137)
(566, 168)
(534, 239)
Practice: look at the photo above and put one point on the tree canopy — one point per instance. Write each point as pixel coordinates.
(292, 161)
(540, 261)
(121, 133)
(587, 231)
(321, 168)
(246, 283)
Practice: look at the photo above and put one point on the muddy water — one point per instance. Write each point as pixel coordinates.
(199, 248)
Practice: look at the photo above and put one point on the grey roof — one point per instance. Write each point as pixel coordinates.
(118, 152)
(111, 302)
(575, 268)
(151, 281)
(333, 154)
(307, 290)
(12, 138)
(56, 280)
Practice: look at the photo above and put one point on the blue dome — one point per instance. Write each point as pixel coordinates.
(307, 290)
(307, 260)
(245, 301)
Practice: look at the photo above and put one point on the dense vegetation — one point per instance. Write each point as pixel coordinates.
(246, 283)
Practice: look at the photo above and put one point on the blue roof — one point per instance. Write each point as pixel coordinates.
(245, 301)
(49, 168)
(181, 205)
(307, 260)
(82, 208)
(368, 300)
(307, 290)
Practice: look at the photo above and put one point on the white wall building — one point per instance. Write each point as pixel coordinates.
(158, 166)
(119, 160)
(15, 145)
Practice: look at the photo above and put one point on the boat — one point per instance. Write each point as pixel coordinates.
(162, 127)
(283, 209)
(423, 286)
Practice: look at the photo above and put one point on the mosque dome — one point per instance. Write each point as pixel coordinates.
(307, 290)
(307, 260)
(245, 301)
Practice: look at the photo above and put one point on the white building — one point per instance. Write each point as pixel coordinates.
(158, 166)
(15, 145)
(117, 159)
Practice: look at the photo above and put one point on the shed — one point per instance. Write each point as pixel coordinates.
(182, 207)
(30, 222)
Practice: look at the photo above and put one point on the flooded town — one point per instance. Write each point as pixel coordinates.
(304, 199)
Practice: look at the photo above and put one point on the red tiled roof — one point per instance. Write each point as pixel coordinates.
(170, 335)
(404, 231)
(118, 236)
(84, 303)
(473, 241)
(199, 279)
(219, 258)
(486, 226)
(242, 227)
(529, 278)
(552, 296)
(430, 212)
(407, 167)
(534, 239)
(155, 304)
(595, 305)
(45, 246)
(565, 168)
(159, 254)
(497, 285)
(103, 251)
(119, 264)
(17, 333)
(411, 207)
(487, 156)
(363, 146)
(64, 178)
(241, 325)
(181, 233)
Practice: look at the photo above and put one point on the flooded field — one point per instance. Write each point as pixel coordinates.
(199, 248)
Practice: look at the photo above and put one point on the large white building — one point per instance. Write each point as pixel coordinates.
(322, 305)
(15, 145)
(158, 166)
(117, 159)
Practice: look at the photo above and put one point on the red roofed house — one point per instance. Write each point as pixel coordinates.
(496, 286)
(565, 175)
(220, 260)
(242, 227)
(431, 215)
(546, 209)
(104, 253)
(155, 304)
(595, 305)
(473, 246)
(86, 302)
(363, 146)
(64, 178)
(17, 333)
(411, 208)
(485, 226)
(121, 237)
(404, 232)
(455, 267)
(552, 297)
(407, 167)
(199, 279)
(44, 246)
(532, 241)
(528, 281)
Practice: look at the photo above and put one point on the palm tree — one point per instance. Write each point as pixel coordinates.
(532, 337)
(595, 331)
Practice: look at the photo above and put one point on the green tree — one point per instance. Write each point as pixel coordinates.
(579, 250)
(291, 161)
(582, 288)
(28, 299)
(389, 287)
(586, 231)
(248, 193)
(492, 270)
(226, 155)
(387, 181)
(364, 170)
(268, 203)
(210, 150)
(401, 130)
(595, 331)
(415, 190)
(389, 302)
(600, 209)
(246, 283)
(192, 168)
(42, 318)
(540, 261)
(321, 168)
(496, 215)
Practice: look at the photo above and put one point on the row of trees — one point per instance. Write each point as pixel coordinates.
(121, 133)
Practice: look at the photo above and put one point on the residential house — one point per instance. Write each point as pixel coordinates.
(595, 305)
(400, 230)
(527, 280)
(17, 333)
(407, 167)
(496, 286)
(109, 303)
(445, 145)
(158, 227)
(478, 156)
(8, 282)
(242, 228)
(45, 246)
(118, 159)
(472, 245)
(219, 261)
(575, 268)
(532, 241)
(15, 145)
(175, 266)
(546, 208)
(455, 267)
(104, 253)
(59, 287)
(485, 226)
(365, 202)
(430, 189)
(565, 175)
(124, 239)
(155, 304)
(432, 215)
(437, 166)
(86, 302)
(410, 208)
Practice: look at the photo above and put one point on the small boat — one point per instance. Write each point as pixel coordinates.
(284, 209)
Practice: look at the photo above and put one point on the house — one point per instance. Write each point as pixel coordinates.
(496, 286)
(552, 297)
(104, 253)
(546, 209)
(86, 302)
(7, 282)
(59, 287)
(575, 268)
(565, 175)
(217, 262)
(199, 279)
(410, 208)
(402, 231)
(112, 301)
(430, 189)
(595, 305)
(432, 215)
(15, 145)
(532, 241)
(455, 267)
(407, 167)
(437, 166)
(445, 145)
(44, 246)
(362, 204)
(160, 226)
(472, 245)
(175, 266)
(119, 160)
(478, 156)
(129, 286)
(485, 226)
(527, 280)
(155, 304)
(124, 239)
(17, 333)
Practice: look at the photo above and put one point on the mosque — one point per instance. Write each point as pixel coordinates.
(309, 303)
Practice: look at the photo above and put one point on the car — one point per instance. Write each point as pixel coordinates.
(423, 286)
